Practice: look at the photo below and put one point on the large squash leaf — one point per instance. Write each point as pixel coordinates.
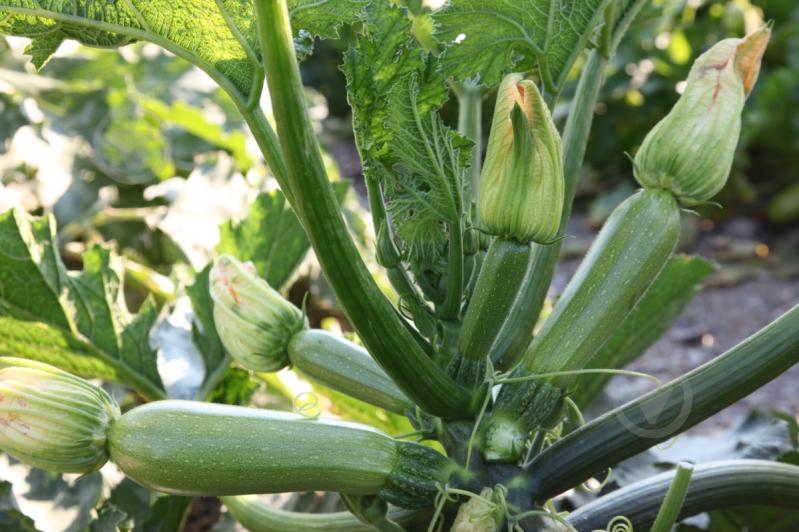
(76, 321)
(490, 38)
(219, 36)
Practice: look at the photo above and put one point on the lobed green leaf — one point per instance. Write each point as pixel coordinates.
(77, 321)
(490, 38)
(219, 36)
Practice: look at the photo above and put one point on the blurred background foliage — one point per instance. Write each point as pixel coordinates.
(649, 70)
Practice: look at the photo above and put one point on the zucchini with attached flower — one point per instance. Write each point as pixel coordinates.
(684, 160)
(264, 332)
(520, 202)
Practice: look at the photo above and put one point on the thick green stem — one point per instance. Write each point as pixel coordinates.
(675, 497)
(269, 145)
(714, 486)
(657, 416)
(367, 308)
(470, 125)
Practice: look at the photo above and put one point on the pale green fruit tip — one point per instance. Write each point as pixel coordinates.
(690, 152)
(521, 184)
(503, 441)
(51, 419)
(254, 322)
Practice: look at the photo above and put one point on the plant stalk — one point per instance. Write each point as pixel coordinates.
(675, 497)
(714, 485)
(257, 516)
(665, 412)
(470, 125)
(369, 311)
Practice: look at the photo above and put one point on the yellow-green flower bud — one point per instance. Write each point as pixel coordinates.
(690, 151)
(51, 419)
(253, 320)
(521, 185)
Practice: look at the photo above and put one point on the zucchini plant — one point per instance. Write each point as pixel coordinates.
(468, 245)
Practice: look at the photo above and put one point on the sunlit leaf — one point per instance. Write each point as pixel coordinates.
(77, 321)
(490, 38)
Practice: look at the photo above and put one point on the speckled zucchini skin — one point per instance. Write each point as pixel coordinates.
(498, 284)
(625, 258)
(192, 448)
(345, 367)
(628, 253)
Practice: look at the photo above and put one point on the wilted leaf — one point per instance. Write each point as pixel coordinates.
(403, 143)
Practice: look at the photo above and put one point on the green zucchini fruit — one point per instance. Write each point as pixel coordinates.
(190, 448)
(517, 330)
(257, 516)
(625, 258)
(346, 367)
(502, 273)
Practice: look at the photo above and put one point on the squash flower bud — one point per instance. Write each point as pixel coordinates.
(51, 419)
(254, 322)
(690, 151)
(521, 185)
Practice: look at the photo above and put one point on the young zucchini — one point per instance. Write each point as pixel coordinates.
(625, 258)
(263, 331)
(191, 448)
(501, 275)
(346, 367)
